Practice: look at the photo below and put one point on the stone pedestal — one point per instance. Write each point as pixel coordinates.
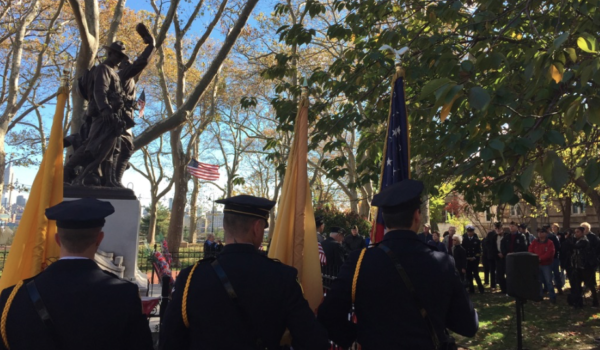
(121, 237)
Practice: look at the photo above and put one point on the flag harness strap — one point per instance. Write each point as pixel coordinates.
(259, 344)
(230, 292)
(407, 283)
(42, 311)
(40, 308)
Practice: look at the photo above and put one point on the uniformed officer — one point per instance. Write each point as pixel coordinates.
(87, 308)
(335, 253)
(390, 313)
(320, 224)
(240, 299)
(472, 245)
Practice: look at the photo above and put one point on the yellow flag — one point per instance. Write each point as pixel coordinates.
(34, 247)
(294, 239)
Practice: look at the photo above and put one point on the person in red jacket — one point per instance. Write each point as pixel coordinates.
(544, 249)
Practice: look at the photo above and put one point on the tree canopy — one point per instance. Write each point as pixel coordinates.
(496, 90)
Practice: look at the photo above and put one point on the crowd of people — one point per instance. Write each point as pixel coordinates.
(336, 247)
(572, 255)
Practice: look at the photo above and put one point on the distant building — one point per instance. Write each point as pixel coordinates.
(205, 222)
(21, 201)
(170, 203)
(575, 210)
(8, 178)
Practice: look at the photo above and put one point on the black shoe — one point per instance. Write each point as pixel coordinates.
(481, 291)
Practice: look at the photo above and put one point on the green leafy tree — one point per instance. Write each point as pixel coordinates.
(163, 216)
(496, 90)
(345, 220)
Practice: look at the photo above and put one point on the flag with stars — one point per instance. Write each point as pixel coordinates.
(395, 165)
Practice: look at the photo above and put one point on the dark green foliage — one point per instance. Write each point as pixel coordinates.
(519, 78)
(163, 215)
(345, 220)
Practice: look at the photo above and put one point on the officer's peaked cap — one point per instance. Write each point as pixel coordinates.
(403, 195)
(248, 206)
(80, 214)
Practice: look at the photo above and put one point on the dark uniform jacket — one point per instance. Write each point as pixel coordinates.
(489, 246)
(352, 243)
(387, 316)
(269, 298)
(554, 239)
(472, 246)
(335, 254)
(91, 309)
(566, 252)
(460, 257)
(518, 244)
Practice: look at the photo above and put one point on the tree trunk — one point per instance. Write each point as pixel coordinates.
(2, 159)
(11, 104)
(116, 21)
(594, 196)
(152, 223)
(365, 204)
(89, 30)
(180, 181)
(194, 210)
(425, 218)
(567, 213)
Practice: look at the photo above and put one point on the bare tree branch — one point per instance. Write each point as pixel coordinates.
(183, 112)
(204, 37)
(116, 21)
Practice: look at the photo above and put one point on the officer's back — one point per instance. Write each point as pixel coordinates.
(388, 316)
(269, 298)
(89, 308)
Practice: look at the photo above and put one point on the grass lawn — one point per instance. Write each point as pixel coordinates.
(546, 326)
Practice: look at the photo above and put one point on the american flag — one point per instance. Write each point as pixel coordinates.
(142, 103)
(322, 256)
(203, 171)
(395, 167)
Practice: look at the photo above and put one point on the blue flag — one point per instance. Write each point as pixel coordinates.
(396, 166)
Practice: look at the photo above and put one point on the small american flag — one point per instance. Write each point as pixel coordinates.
(142, 103)
(203, 171)
(322, 256)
